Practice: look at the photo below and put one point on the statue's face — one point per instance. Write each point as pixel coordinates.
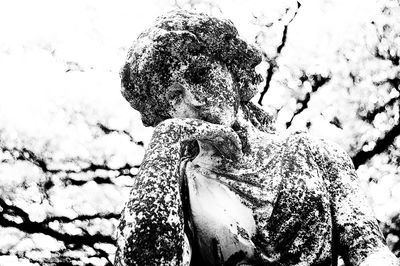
(204, 89)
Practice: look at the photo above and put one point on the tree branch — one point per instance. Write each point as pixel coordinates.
(30, 156)
(31, 227)
(395, 59)
(381, 145)
(107, 130)
(273, 65)
(317, 81)
(123, 170)
(370, 116)
(83, 217)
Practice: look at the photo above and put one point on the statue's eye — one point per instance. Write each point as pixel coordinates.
(197, 74)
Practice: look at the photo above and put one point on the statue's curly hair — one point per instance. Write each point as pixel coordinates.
(182, 37)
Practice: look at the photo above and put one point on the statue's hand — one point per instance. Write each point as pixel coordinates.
(151, 231)
(223, 138)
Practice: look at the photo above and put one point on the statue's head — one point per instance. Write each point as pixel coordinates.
(190, 58)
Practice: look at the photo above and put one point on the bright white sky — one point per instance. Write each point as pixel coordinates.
(95, 34)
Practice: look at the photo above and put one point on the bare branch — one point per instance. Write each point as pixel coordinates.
(270, 73)
(106, 130)
(83, 217)
(317, 81)
(30, 156)
(395, 59)
(273, 65)
(381, 145)
(93, 167)
(31, 227)
(370, 116)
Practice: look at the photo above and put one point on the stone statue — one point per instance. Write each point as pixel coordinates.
(217, 186)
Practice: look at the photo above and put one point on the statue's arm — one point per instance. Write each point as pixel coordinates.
(358, 237)
(151, 227)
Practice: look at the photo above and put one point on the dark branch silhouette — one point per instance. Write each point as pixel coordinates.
(395, 59)
(15, 217)
(370, 115)
(64, 219)
(24, 154)
(107, 130)
(11, 214)
(316, 81)
(273, 65)
(381, 145)
(58, 258)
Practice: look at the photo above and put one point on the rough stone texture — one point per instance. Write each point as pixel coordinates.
(215, 193)
(190, 42)
(151, 228)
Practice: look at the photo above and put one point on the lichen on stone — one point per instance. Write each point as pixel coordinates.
(179, 39)
(210, 193)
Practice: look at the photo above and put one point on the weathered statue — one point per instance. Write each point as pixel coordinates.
(217, 186)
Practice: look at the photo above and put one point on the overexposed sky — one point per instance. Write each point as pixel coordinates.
(40, 40)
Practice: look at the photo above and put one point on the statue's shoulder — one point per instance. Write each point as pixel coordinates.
(300, 141)
(325, 152)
